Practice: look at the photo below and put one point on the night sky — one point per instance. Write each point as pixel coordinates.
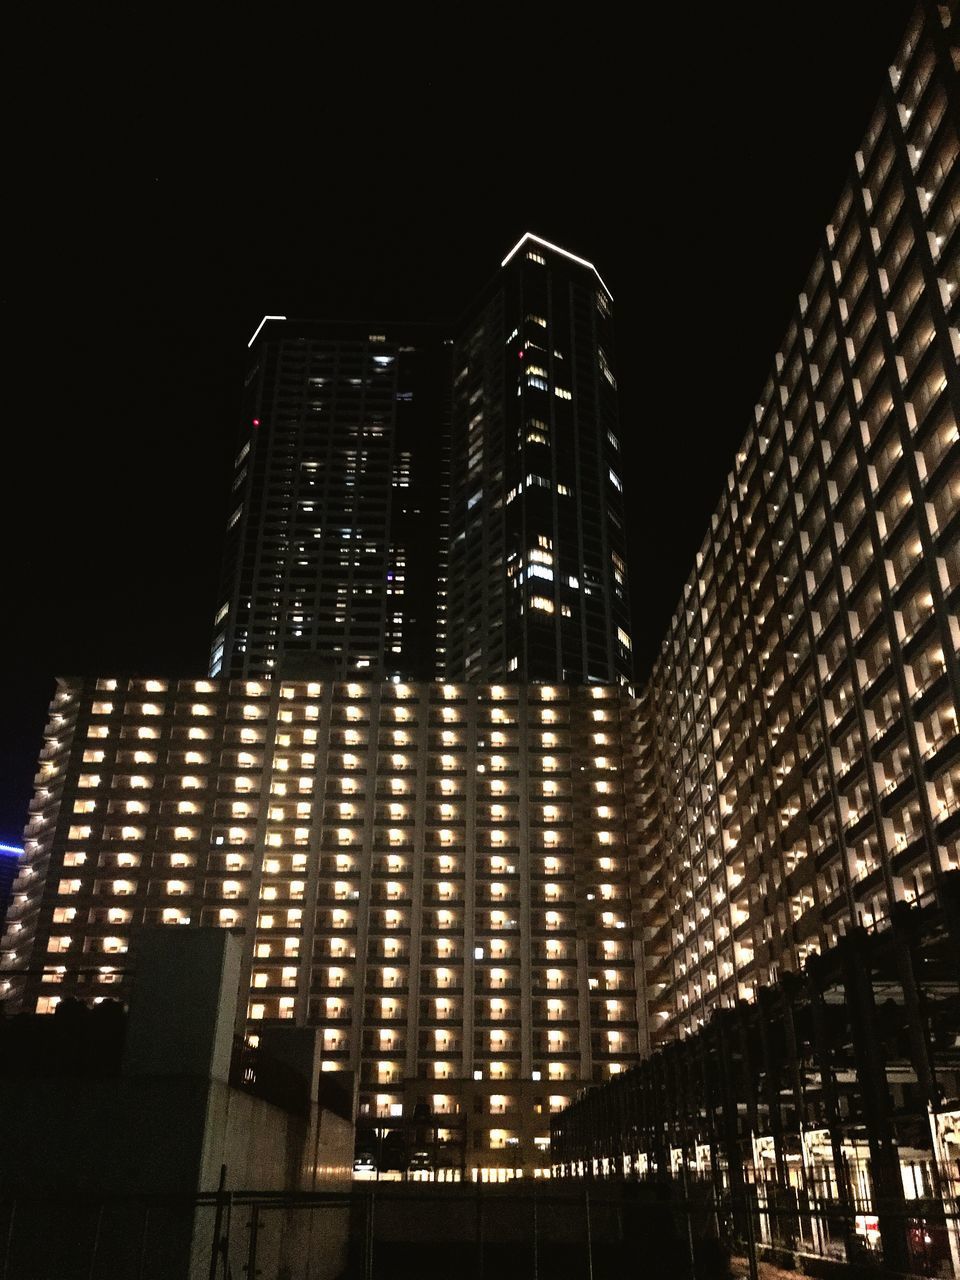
(695, 166)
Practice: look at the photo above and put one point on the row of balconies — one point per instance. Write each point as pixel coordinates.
(338, 949)
(436, 821)
(454, 989)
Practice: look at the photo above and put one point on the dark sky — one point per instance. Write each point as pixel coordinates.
(695, 160)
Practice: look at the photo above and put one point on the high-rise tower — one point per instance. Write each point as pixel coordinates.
(329, 556)
(537, 584)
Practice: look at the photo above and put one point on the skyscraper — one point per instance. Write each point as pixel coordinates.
(329, 555)
(536, 578)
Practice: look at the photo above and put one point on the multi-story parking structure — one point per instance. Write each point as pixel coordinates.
(803, 758)
(434, 874)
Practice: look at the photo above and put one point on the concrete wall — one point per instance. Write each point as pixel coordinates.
(165, 1127)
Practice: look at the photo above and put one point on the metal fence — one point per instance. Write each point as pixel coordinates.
(518, 1231)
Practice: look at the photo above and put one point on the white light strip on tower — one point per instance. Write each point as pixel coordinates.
(263, 322)
(556, 249)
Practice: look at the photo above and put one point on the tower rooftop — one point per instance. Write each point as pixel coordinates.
(555, 248)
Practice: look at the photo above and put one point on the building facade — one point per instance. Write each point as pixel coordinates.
(10, 855)
(434, 875)
(330, 550)
(798, 769)
(536, 579)
(802, 753)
